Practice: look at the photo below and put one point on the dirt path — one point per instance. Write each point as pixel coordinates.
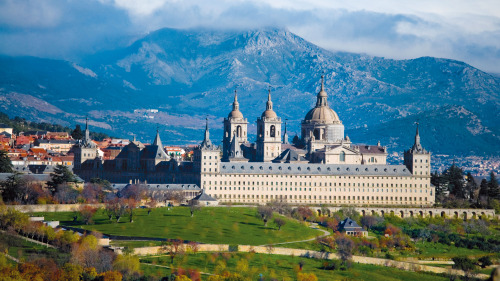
(313, 226)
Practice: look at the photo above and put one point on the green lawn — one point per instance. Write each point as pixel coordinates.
(279, 267)
(209, 225)
(25, 250)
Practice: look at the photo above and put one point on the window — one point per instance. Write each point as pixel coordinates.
(273, 131)
(342, 156)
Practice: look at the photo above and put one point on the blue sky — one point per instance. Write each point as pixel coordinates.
(463, 30)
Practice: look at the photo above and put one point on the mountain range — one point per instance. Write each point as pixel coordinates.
(189, 75)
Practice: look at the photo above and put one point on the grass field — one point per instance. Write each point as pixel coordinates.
(209, 225)
(279, 267)
(437, 250)
(27, 251)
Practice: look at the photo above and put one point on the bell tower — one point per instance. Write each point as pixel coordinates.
(268, 133)
(235, 127)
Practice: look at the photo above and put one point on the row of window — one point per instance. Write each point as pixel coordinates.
(319, 197)
(320, 189)
(334, 184)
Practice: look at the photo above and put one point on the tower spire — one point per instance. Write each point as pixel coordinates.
(285, 135)
(417, 147)
(322, 96)
(269, 104)
(157, 140)
(236, 105)
(207, 143)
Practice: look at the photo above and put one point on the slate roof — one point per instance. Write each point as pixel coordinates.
(288, 156)
(349, 225)
(36, 177)
(204, 197)
(165, 186)
(313, 169)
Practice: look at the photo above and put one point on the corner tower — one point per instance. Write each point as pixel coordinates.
(417, 159)
(235, 127)
(206, 156)
(268, 133)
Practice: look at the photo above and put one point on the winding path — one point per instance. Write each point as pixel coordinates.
(313, 226)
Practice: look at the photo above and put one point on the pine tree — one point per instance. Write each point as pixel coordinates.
(5, 163)
(493, 188)
(77, 133)
(471, 187)
(455, 179)
(61, 175)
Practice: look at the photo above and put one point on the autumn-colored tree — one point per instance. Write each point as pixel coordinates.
(304, 212)
(173, 248)
(87, 212)
(109, 276)
(127, 265)
(333, 224)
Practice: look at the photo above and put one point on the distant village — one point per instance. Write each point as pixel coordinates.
(38, 152)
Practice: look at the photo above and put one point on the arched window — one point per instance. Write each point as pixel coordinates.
(316, 134)
(342, 156)
(273, 131)
(238, 131)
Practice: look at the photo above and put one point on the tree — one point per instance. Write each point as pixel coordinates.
(173, 248)
(493, 188)
(345, 247)
(61, 175)
(279, 222)
(128, 265)
(465, 264)
(455, 180)
(193, 207)
(5, 163)
(87, 212)
(77, 133)
(482, 199)
(13, 188)
(471, 187)
(265, 213)
(369, 221)
(304, 212)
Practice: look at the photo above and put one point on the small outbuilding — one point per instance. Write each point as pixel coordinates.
(204, 199)
(350, 227)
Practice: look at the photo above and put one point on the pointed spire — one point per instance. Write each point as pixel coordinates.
(269, 104)
(417, 147)
(322, 99)
(157, 140)
(206, 143)
(285, 135)
(236, 105)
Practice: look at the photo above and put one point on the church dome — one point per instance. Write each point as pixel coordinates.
(269, 114)
(235, 114)
(322, 113)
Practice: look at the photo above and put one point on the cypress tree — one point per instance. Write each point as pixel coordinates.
(5, 163)
(493, 188)
(77, 133)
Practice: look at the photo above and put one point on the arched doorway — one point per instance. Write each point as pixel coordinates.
(401, 214)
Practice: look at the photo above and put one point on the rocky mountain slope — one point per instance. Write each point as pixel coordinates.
(188, 74)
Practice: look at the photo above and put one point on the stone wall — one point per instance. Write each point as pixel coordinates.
(52, 207)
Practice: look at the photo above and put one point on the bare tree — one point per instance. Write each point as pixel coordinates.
(173, 248)
(279, 222)
(265, 213)
(193, 207)
(345, 247)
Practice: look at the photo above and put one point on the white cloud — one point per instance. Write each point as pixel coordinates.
(459, 29)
